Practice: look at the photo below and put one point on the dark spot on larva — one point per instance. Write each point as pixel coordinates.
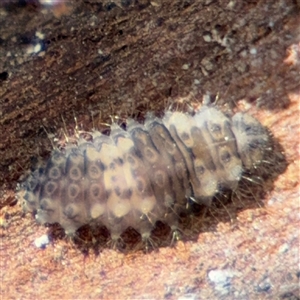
(102, 167)
(75, 173)
(73, 190)
(225, 157)
(140, 185)
(45, 204)
(50, 187)
(254, 144)
(95, 190)
(149, 154)
(57, 157)
(94, 172)
(215, 128)
(54, 173)
(120, 161)
(127, 194)
(32, 183)
(200, 170)
(131, 161)
(159, 178)
(118, 191)
(70, 211)
(184, 136)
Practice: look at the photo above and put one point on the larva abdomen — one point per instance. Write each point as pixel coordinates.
(147, 173)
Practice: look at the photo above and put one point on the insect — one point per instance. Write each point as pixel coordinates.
(147, 173)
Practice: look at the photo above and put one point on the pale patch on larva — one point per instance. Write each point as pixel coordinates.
(146, 173)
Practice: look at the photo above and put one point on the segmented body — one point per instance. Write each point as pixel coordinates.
(146, 173)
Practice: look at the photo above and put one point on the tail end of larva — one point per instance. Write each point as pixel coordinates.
(252, 139)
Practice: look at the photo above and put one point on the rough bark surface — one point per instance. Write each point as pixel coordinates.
(104, 59)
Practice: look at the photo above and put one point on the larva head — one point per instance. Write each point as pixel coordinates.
(251, 138)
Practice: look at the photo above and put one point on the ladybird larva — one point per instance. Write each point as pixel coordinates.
(146, 173)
